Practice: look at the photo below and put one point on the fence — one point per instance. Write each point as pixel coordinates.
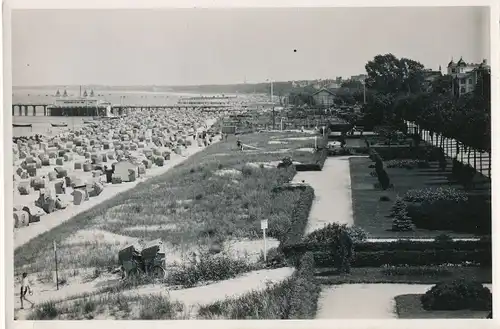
(480, 161)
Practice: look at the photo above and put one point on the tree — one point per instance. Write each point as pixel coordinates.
(388, 74)
(442, 85)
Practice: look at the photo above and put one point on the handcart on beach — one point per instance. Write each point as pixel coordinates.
(148, 261)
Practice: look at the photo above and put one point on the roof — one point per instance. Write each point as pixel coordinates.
(461, 62)
(324, 89)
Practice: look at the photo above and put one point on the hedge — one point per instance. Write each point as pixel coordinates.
(294, 232)
(400, 245)
(368, 254)
(318, 161)
(411, 258)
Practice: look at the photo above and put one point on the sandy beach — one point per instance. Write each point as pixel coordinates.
(48, 221)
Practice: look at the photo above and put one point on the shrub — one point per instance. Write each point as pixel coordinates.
(45, 311)
(276, 258)
(443, 238)
(398, 206)
(341, 243)
(208, 268)
(402, 223)
(384, 198)
(457, 295)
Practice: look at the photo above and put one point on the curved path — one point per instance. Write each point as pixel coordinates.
(192, 298)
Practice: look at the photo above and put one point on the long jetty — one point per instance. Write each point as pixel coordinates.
(23, 108)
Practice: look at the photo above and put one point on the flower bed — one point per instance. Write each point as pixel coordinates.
(445, 208)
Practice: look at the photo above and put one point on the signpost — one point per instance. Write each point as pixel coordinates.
(263, 227)
(55, 257)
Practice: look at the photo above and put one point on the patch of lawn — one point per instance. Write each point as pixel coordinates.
(371, 214)
(410, 307)
(410, 275)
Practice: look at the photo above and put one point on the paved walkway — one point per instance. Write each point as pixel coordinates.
(332, 189)
(364, 301)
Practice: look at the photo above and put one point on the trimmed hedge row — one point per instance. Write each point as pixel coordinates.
(295, 231)
(317, 164)
(375, 254)
(411, 258)
(401, 245)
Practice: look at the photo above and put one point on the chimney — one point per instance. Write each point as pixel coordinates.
(485, 61)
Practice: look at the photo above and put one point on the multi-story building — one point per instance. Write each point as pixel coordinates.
(465, 75)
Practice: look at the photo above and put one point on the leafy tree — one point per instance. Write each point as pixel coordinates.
(388, 74)
(442, 85)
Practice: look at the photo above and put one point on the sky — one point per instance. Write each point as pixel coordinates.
(225, 46)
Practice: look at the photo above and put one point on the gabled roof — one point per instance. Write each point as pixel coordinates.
(324, 89)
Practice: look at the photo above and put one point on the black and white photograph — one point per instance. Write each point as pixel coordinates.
(249, 163)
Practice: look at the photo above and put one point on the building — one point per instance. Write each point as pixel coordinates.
(324, 97)
(360, 77)
(465, 75)
(80, 106)
(430, 76)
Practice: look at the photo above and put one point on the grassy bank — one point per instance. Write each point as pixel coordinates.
(295, 298)
(213, 196)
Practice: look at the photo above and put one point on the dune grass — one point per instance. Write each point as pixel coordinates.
(199, 206)
(294, 298)
(111, 307)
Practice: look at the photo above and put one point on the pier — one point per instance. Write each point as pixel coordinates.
(23, 109)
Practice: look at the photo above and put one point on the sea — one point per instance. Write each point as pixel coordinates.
(42, 124)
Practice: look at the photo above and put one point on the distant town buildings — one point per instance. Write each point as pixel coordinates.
(430, 76)
(360, 77)
(324, 97)
(465, 75)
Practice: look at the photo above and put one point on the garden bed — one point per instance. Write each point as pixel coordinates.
(372, 214)
(410, 307)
